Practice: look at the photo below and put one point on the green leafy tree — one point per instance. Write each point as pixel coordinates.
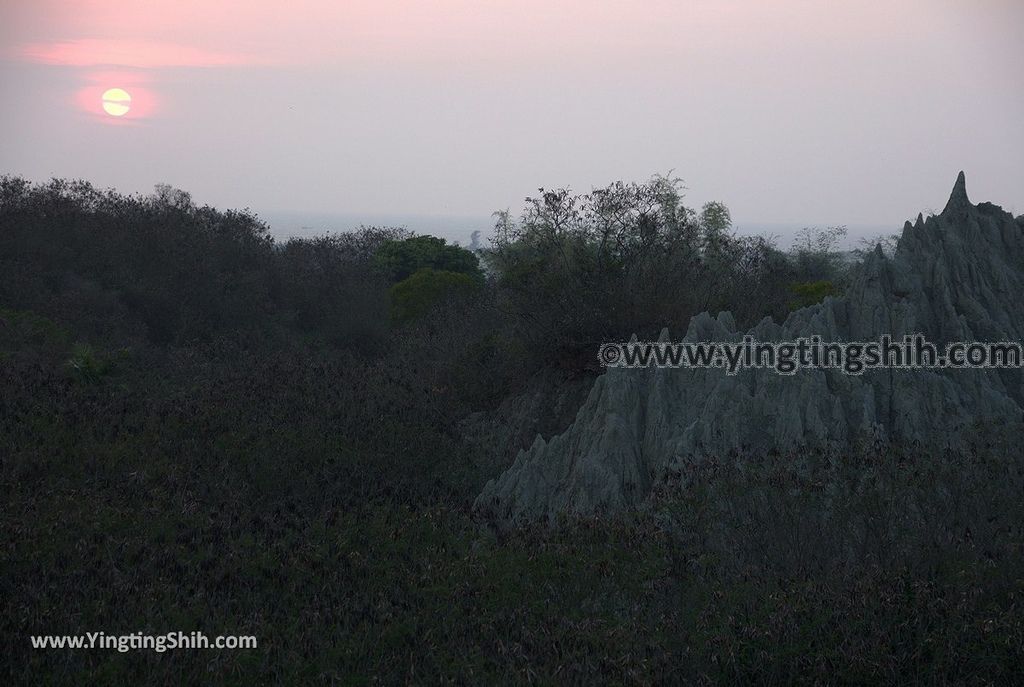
(400, 259)
(417, 294)
(810, 292)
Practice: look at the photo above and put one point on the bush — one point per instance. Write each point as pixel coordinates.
(88, 366)
(424, 289)
(809, 293)
(400, 259)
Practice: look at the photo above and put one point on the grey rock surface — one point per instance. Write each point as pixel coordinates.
(958, 276)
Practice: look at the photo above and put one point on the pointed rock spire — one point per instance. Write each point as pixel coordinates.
(958, 201)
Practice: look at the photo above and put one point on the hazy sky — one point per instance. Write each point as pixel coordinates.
(797, 111)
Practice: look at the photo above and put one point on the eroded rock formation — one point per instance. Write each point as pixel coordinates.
(958, 276)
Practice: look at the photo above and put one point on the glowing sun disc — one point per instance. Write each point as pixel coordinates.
(116, 102)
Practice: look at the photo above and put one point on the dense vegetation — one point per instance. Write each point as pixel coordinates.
(204, 429)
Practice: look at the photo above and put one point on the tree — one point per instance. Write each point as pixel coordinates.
(417, 294)
(626, 259)
(816, 254)
(399, 259)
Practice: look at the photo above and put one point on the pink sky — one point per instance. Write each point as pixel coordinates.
(789, 111)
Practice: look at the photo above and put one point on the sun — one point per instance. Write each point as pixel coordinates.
(117, 102)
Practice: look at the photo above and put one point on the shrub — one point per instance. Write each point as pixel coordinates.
(418, 293)
(810, 292)
(400, 259)
(87, 365)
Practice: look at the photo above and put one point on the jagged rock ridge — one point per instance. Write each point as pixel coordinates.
(958, 276)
